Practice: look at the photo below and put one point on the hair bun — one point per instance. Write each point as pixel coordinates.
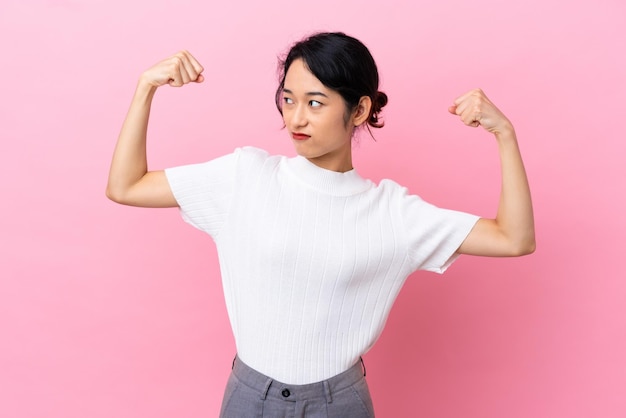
(380, 100)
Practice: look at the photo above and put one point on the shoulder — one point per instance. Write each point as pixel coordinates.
(390, 197)
(252, 152)
(402, 202)
(396, 191)
(252, 161)
(256, 155)
(225, 166)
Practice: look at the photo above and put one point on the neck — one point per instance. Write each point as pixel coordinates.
(332, 165)
(339, 160)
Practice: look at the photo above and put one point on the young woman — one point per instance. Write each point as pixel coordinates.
(312, 255)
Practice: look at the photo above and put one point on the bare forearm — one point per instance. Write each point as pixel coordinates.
(515, 212)
(129, 162)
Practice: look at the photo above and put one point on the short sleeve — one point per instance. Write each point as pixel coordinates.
(204, 191)
(434, 234)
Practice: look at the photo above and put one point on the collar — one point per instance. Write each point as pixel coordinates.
(326, 181)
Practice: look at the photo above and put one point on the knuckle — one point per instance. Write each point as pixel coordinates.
(177, 60)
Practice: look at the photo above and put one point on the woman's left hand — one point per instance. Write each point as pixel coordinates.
(475, 109)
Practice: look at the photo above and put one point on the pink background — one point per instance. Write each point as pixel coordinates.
(110, 311)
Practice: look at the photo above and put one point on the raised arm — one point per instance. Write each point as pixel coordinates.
(512, 232)
(130, 182)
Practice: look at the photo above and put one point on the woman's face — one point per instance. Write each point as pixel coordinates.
(315, 117)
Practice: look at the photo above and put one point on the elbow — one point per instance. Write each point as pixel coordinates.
(111, 195)
(526, 250)
(114, 194)
(525, 247)
(532, 247)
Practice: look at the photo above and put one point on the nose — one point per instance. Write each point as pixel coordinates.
(298, 117)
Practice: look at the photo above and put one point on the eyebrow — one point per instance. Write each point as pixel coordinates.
(310, 93)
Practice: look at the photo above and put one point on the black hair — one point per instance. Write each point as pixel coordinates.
(341, 63)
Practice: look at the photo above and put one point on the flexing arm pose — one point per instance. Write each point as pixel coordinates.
(130, 182)
(512, 232)
(304, 269)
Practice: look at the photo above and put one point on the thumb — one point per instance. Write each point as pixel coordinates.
(452, 109)
(200, 78)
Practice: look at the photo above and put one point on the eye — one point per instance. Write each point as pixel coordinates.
(315, 103)
(288, 100)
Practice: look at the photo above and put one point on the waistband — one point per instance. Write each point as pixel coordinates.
(268, 387)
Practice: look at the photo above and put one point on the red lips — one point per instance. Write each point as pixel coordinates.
(300, 136)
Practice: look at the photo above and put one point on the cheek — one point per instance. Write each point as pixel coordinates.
(286, 115)
(341, 123)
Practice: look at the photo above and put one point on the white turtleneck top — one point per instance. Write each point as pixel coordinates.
(311, 259)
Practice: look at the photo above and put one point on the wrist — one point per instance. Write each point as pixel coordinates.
(505, 132)
(145, 90)
(145, 84)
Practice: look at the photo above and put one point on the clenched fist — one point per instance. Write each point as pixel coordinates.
(475, 109)
(180, 69)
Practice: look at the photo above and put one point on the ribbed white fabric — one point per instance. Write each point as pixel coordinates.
(311, 260)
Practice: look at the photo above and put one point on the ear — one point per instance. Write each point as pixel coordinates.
(362, 112)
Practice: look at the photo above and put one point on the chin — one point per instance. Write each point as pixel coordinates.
(304, 151)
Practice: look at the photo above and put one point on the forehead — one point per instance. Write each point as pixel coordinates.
(299, 78)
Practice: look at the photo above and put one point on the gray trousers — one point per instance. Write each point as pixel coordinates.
(250, 394)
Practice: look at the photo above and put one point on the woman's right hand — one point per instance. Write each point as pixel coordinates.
(179, 69)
